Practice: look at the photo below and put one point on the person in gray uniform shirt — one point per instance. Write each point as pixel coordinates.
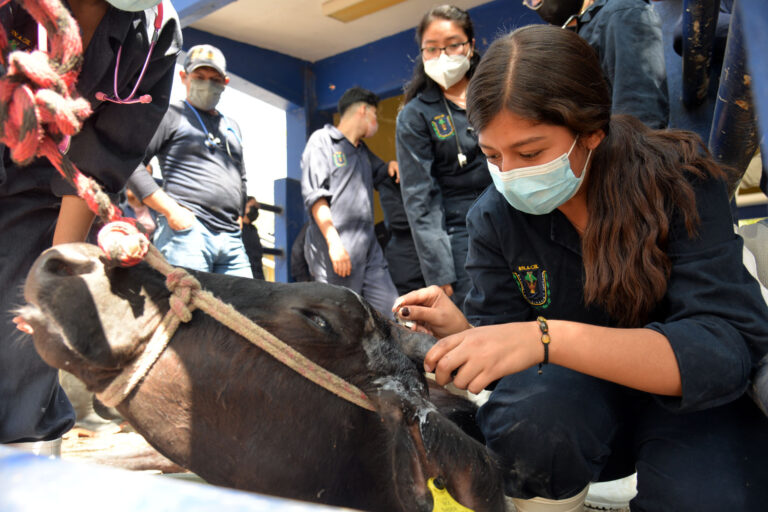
(337, 180)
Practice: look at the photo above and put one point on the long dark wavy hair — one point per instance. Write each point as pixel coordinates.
(637, 178)
(420, 80)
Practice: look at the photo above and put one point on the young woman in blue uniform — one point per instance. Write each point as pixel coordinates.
(607, 250)
(442, 170)
(127, 107)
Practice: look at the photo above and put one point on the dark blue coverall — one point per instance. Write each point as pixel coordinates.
(400, 251)
(109, 147)
(626, 34)
(437, 191)
(559, 431)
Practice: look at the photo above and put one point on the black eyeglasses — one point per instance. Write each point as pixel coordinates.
(431, 52)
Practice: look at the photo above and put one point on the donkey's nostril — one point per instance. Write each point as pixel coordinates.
(58, 267)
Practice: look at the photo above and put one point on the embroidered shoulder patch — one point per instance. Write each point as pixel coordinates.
(534, 285)
(339, 159)
(441, 124)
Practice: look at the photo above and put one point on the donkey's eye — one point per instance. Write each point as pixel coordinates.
(316, 319)
(319, 321)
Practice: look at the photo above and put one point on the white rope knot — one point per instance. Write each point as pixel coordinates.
(182, 286)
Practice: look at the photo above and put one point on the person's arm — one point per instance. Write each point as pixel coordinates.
(423, 200)
(316, 192)
(383, 170)
(632, 56)
(74, 221)
(178, 217)
(238, 136)
(144, 186)
(321, 212)
(393, 169)
(637, 358)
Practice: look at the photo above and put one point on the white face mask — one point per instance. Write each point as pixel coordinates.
(204, 94)
(373, 125)
(446, 70)
(133, 5)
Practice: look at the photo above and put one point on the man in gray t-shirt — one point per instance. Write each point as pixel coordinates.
(338, 176)
(201, 156)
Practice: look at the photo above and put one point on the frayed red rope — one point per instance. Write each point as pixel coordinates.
(39, 108)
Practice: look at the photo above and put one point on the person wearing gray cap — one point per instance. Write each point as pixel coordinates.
(201, 156)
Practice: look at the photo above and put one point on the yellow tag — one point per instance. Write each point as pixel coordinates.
(443, 501)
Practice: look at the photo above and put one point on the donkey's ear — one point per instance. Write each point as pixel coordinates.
(426, 445)
(411, 343)
(399, 411)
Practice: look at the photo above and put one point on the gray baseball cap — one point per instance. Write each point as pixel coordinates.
(205, 55)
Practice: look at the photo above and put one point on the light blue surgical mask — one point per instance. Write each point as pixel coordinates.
(539, 189)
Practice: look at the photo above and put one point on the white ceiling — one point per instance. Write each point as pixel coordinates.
(299, 29)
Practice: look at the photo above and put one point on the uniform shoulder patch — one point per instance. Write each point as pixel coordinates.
(442, 126)
(533, 283)
(339, 159)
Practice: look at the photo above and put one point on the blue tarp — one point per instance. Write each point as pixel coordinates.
(36, 484)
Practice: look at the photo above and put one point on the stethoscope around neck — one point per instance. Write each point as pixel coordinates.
(211, 141)
(144, 98)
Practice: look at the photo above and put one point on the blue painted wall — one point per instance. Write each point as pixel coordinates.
(385, 65)
(276, 72)
(190, 11)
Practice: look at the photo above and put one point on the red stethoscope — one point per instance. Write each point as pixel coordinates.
(144, 98)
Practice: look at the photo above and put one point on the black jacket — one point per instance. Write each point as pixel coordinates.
(437, 192)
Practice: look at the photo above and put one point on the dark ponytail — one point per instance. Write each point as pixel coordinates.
(637, 177)
(420, 81)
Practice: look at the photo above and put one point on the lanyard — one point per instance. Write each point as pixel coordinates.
(211, 141)
(461, 157)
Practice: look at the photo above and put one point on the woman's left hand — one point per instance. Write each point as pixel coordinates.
(474, 358)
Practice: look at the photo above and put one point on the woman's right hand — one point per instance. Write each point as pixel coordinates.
(431, 311)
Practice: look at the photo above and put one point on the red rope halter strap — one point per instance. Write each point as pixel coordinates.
(186, 295)
(38, 109)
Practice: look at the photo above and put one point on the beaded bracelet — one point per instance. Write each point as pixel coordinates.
(545, 339)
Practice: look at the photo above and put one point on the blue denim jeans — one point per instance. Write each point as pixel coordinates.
(199, 248)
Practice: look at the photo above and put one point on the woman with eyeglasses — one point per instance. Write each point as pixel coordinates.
(442, 170)
(610, 310)
(129, 53)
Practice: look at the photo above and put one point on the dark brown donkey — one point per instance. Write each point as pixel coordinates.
(223, 408)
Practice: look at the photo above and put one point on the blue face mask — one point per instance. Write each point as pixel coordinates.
(539, 189)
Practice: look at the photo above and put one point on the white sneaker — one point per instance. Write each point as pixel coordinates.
(49, 449)
(612, 495)
(574, 504)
